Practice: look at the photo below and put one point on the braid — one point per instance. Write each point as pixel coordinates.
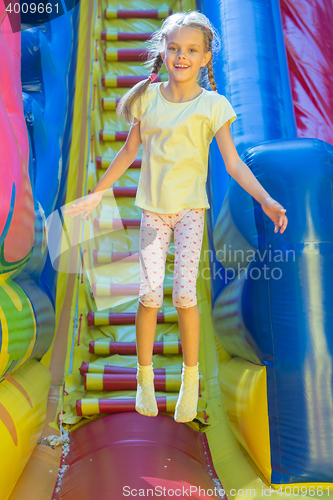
(158, 63)
(126, 102)
(211, 75)
(209, 37)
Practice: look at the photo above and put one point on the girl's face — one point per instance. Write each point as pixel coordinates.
(184, 54)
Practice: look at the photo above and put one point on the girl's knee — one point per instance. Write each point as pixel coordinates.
(184, 300)
(151, 299)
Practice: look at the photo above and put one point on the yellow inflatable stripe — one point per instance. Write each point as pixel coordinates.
(109, 104)
(111, 54)
(90, 406)
(12, 295)
(105, 224)
(170, 316)
(102, 347)
(172, 382)
(170, 347)
(95, 368)
(171, 402)
(19, 387)
(94, 382)
(111, 12)
(111, 34)
(4, 356)
(110, 80)
(109, 136)
(101, 318)
(162, 12)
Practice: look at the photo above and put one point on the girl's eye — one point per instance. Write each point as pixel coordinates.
(174, 48)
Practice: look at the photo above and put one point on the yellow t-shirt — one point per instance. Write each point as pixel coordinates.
(176, 139)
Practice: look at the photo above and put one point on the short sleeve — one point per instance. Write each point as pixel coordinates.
(136, 108)
(223, 112)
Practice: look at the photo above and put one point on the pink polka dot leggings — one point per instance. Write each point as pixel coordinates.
(155, 237)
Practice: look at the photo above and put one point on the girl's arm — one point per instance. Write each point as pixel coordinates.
(124, 158)
(245, 178)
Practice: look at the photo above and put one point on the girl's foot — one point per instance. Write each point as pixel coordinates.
(186, 407)
(145, 402)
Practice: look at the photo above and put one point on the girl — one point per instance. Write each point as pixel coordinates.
(176, 121)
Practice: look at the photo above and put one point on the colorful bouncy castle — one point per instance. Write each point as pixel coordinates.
(69, 288)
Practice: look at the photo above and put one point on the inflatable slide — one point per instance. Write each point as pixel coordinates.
(69, 288)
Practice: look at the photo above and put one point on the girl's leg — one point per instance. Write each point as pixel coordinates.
(189, 329)
(188, 243)
(153, 250)
(145, 325)
(155, 237)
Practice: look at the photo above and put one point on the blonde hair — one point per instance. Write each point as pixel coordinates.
(156, 45)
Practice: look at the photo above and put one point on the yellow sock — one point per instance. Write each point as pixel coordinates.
(186, 407)
(145, 402)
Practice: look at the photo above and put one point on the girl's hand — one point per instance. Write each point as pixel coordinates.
(276, 212)
(87, 204)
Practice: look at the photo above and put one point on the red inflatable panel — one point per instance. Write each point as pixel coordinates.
(115, 456)
(307, 28)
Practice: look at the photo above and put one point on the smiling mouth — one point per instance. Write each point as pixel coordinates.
(181, 66)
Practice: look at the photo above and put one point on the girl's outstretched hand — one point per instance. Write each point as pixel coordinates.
(87, 204)
(276, 212)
